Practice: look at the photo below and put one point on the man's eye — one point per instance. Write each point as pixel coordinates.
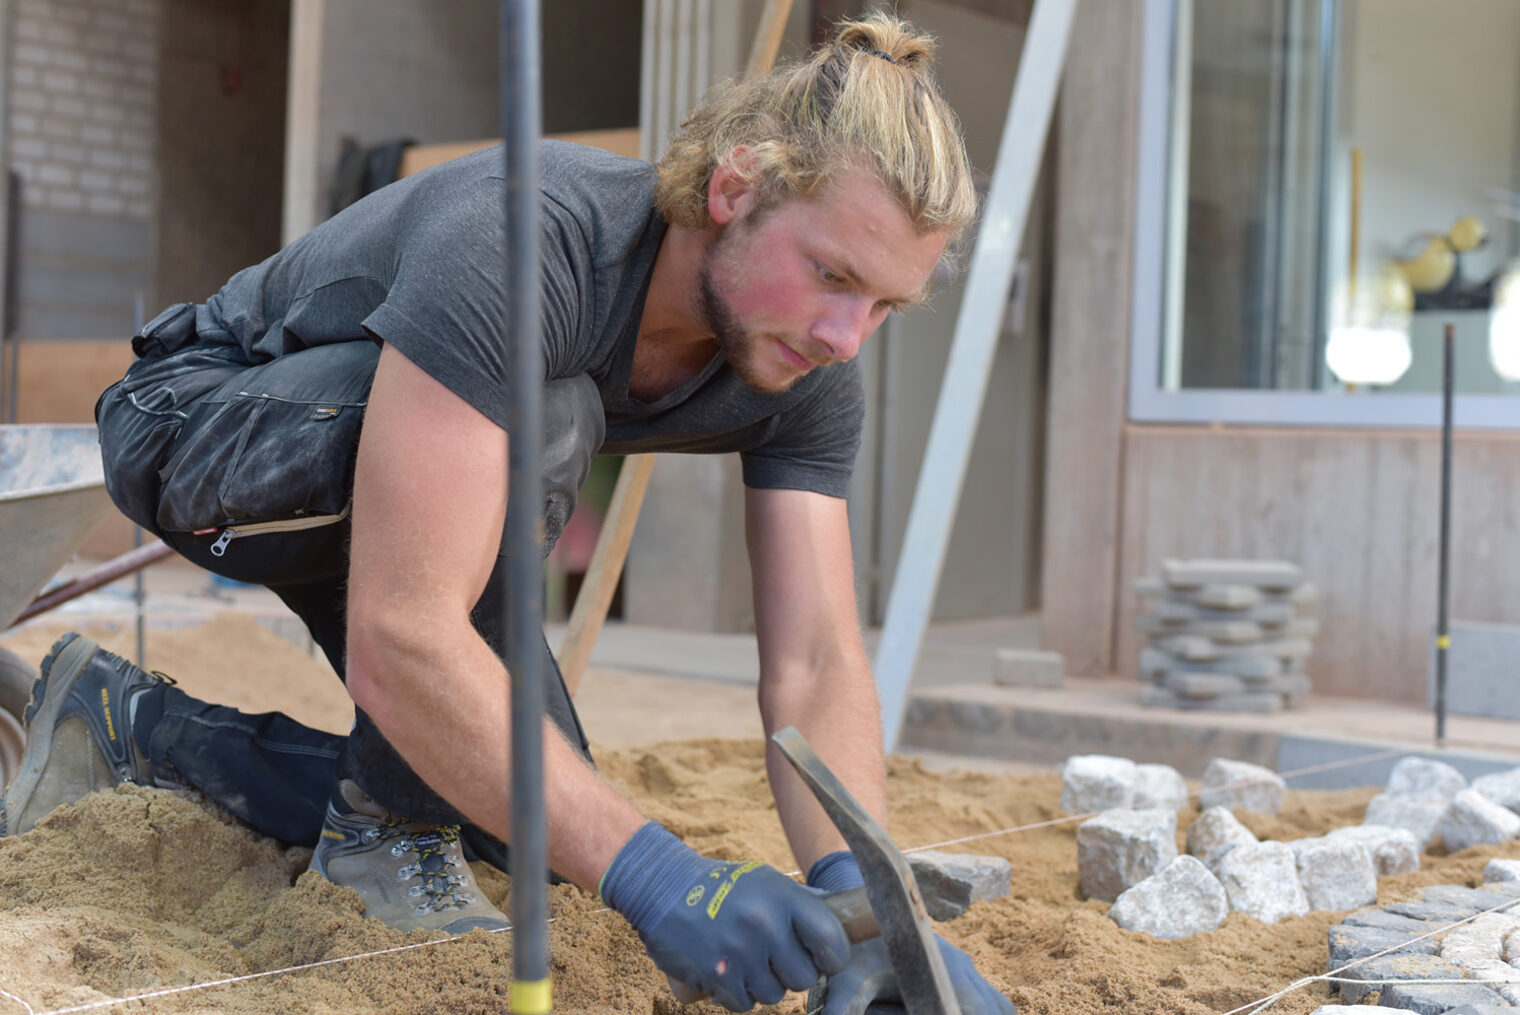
(832, 278)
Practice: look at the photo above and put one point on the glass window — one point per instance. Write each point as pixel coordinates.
(1323, 186)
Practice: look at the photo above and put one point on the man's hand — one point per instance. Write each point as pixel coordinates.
(740, 932)
(868, 977)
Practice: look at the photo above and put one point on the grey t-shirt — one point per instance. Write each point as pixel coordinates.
(417, 264)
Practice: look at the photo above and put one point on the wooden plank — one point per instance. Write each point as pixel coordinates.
(1090, 334)
(1357, 509)
(58, 380)
(621, 141)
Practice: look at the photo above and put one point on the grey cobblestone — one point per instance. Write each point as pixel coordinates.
(1381, 973)
(1381, 919)
(1351, 943)
(1438, 998)
(1476, 900)
(1434, 912)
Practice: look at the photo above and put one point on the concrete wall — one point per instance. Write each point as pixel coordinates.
(221, 101)
(83, 95)
(1358, 510)
(377, 70)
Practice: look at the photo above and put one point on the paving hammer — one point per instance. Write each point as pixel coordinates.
(887, 906)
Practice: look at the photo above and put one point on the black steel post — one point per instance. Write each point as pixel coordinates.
(520, 114)
(1443, 636)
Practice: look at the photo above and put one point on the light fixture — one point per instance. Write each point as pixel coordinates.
(1369, 341)
(1370, 344)
(1504, 326)
(1366, 355)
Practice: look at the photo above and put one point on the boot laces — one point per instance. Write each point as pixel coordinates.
(438, 887)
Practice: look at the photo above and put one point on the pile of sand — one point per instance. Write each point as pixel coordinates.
(137, 890)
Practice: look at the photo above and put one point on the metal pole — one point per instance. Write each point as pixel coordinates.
(1443, 636)
(9, 349)
(139, 585)
(520, 113)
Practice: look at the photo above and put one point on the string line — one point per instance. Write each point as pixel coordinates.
(1333, 975)
(227, 981)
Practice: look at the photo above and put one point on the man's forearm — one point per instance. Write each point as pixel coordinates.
(438, 707)
(837, 712)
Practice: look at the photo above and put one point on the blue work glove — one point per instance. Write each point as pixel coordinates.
(868, 980)
(740, 932)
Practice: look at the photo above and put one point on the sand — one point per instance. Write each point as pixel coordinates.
(137, 890)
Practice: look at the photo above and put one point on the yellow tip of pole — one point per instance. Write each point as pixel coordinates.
(1443, 642)
(531, 997)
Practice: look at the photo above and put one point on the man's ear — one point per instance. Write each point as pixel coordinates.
(730, 191)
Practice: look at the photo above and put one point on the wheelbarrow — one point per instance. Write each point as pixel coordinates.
(52, 493)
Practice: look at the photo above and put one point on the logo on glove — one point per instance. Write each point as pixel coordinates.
(728, 886)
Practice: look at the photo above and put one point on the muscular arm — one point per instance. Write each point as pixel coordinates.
(813, 668)
(429, 504)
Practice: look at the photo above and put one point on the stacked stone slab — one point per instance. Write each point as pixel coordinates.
(1230, 635)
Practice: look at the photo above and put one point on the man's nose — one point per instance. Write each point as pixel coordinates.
(845, 325)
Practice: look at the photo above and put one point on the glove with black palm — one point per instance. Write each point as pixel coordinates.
(741, 932)
(868, 982)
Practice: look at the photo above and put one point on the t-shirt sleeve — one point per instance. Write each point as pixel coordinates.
(447, 310)
(816, 441)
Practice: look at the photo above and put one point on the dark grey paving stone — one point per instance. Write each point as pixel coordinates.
(1437, 912)
(1477, 899)
(1384, 920)
(1349, 943)
(1438, 998)
(1381, 974)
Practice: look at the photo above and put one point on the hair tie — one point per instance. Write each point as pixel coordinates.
(885, 56)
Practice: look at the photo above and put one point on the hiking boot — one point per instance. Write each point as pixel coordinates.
(411, 876)
(79, 731)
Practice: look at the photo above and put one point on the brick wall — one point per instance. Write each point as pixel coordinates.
(83, 129)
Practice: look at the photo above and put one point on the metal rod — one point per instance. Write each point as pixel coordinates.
(139, 586)
(9, 350)
(521, 86)
(93, 579)
(1443, 636)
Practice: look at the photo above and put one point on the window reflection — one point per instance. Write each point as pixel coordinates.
(1340, 169)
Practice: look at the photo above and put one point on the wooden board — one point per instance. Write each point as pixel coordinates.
(622, 141)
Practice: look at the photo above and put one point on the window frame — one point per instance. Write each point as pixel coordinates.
(1148, 401)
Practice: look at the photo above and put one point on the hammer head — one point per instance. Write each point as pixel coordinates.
(899, 910)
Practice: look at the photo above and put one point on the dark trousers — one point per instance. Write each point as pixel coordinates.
(277, 774)
(222, 432)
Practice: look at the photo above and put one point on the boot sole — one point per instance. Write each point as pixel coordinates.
(62, 668)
